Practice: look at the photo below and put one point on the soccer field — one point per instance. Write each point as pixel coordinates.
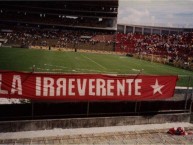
(19, 59)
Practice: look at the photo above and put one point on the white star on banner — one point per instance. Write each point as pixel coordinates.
(157, 87)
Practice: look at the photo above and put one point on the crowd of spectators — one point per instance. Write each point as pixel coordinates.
(172, 47)
(54, 38)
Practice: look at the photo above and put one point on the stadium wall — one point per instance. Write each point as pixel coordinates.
(29, 125)
(124, 28)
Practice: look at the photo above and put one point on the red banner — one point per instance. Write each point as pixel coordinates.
(85, 86)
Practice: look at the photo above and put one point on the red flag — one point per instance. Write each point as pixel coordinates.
(42, 86)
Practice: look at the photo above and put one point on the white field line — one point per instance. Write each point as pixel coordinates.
(55, 65)
(73, 70)
(135, 69)
(93, 61)
(77, 69)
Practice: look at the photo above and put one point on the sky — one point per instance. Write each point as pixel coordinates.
(171, 13)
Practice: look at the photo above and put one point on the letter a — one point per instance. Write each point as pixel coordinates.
(16, 82)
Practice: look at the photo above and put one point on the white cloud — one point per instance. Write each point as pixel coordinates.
(134, 16)
(156, 12)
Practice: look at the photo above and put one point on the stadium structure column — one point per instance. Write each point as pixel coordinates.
(142, 30)
(124, 29)
(133, 29)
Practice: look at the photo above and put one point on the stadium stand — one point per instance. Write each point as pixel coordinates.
(72, 14)
(28, 38)
(65, 24)
(174, 49)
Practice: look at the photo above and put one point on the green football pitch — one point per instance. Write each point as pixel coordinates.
(18, 59)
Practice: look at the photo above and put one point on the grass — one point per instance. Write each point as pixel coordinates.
(19, 59)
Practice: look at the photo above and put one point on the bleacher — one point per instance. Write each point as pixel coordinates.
(59, 24)
(176, 49)
(60, 39)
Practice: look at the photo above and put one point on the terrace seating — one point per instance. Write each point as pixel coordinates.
(82, 39)
(174, 47)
